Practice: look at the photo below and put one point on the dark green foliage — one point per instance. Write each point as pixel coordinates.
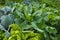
(35, 18)
(6, 21)
(6, 18)
(2, 1)
(32, 20)
(54, 3)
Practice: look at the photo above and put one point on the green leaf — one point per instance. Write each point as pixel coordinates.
(35, 27)
(51, 30)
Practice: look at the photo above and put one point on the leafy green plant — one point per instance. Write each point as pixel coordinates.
(36, 18)
(32, 21)
(18, 34)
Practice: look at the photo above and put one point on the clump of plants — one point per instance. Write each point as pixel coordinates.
(32, 21)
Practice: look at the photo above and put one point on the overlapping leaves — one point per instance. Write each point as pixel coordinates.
(39, 19)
